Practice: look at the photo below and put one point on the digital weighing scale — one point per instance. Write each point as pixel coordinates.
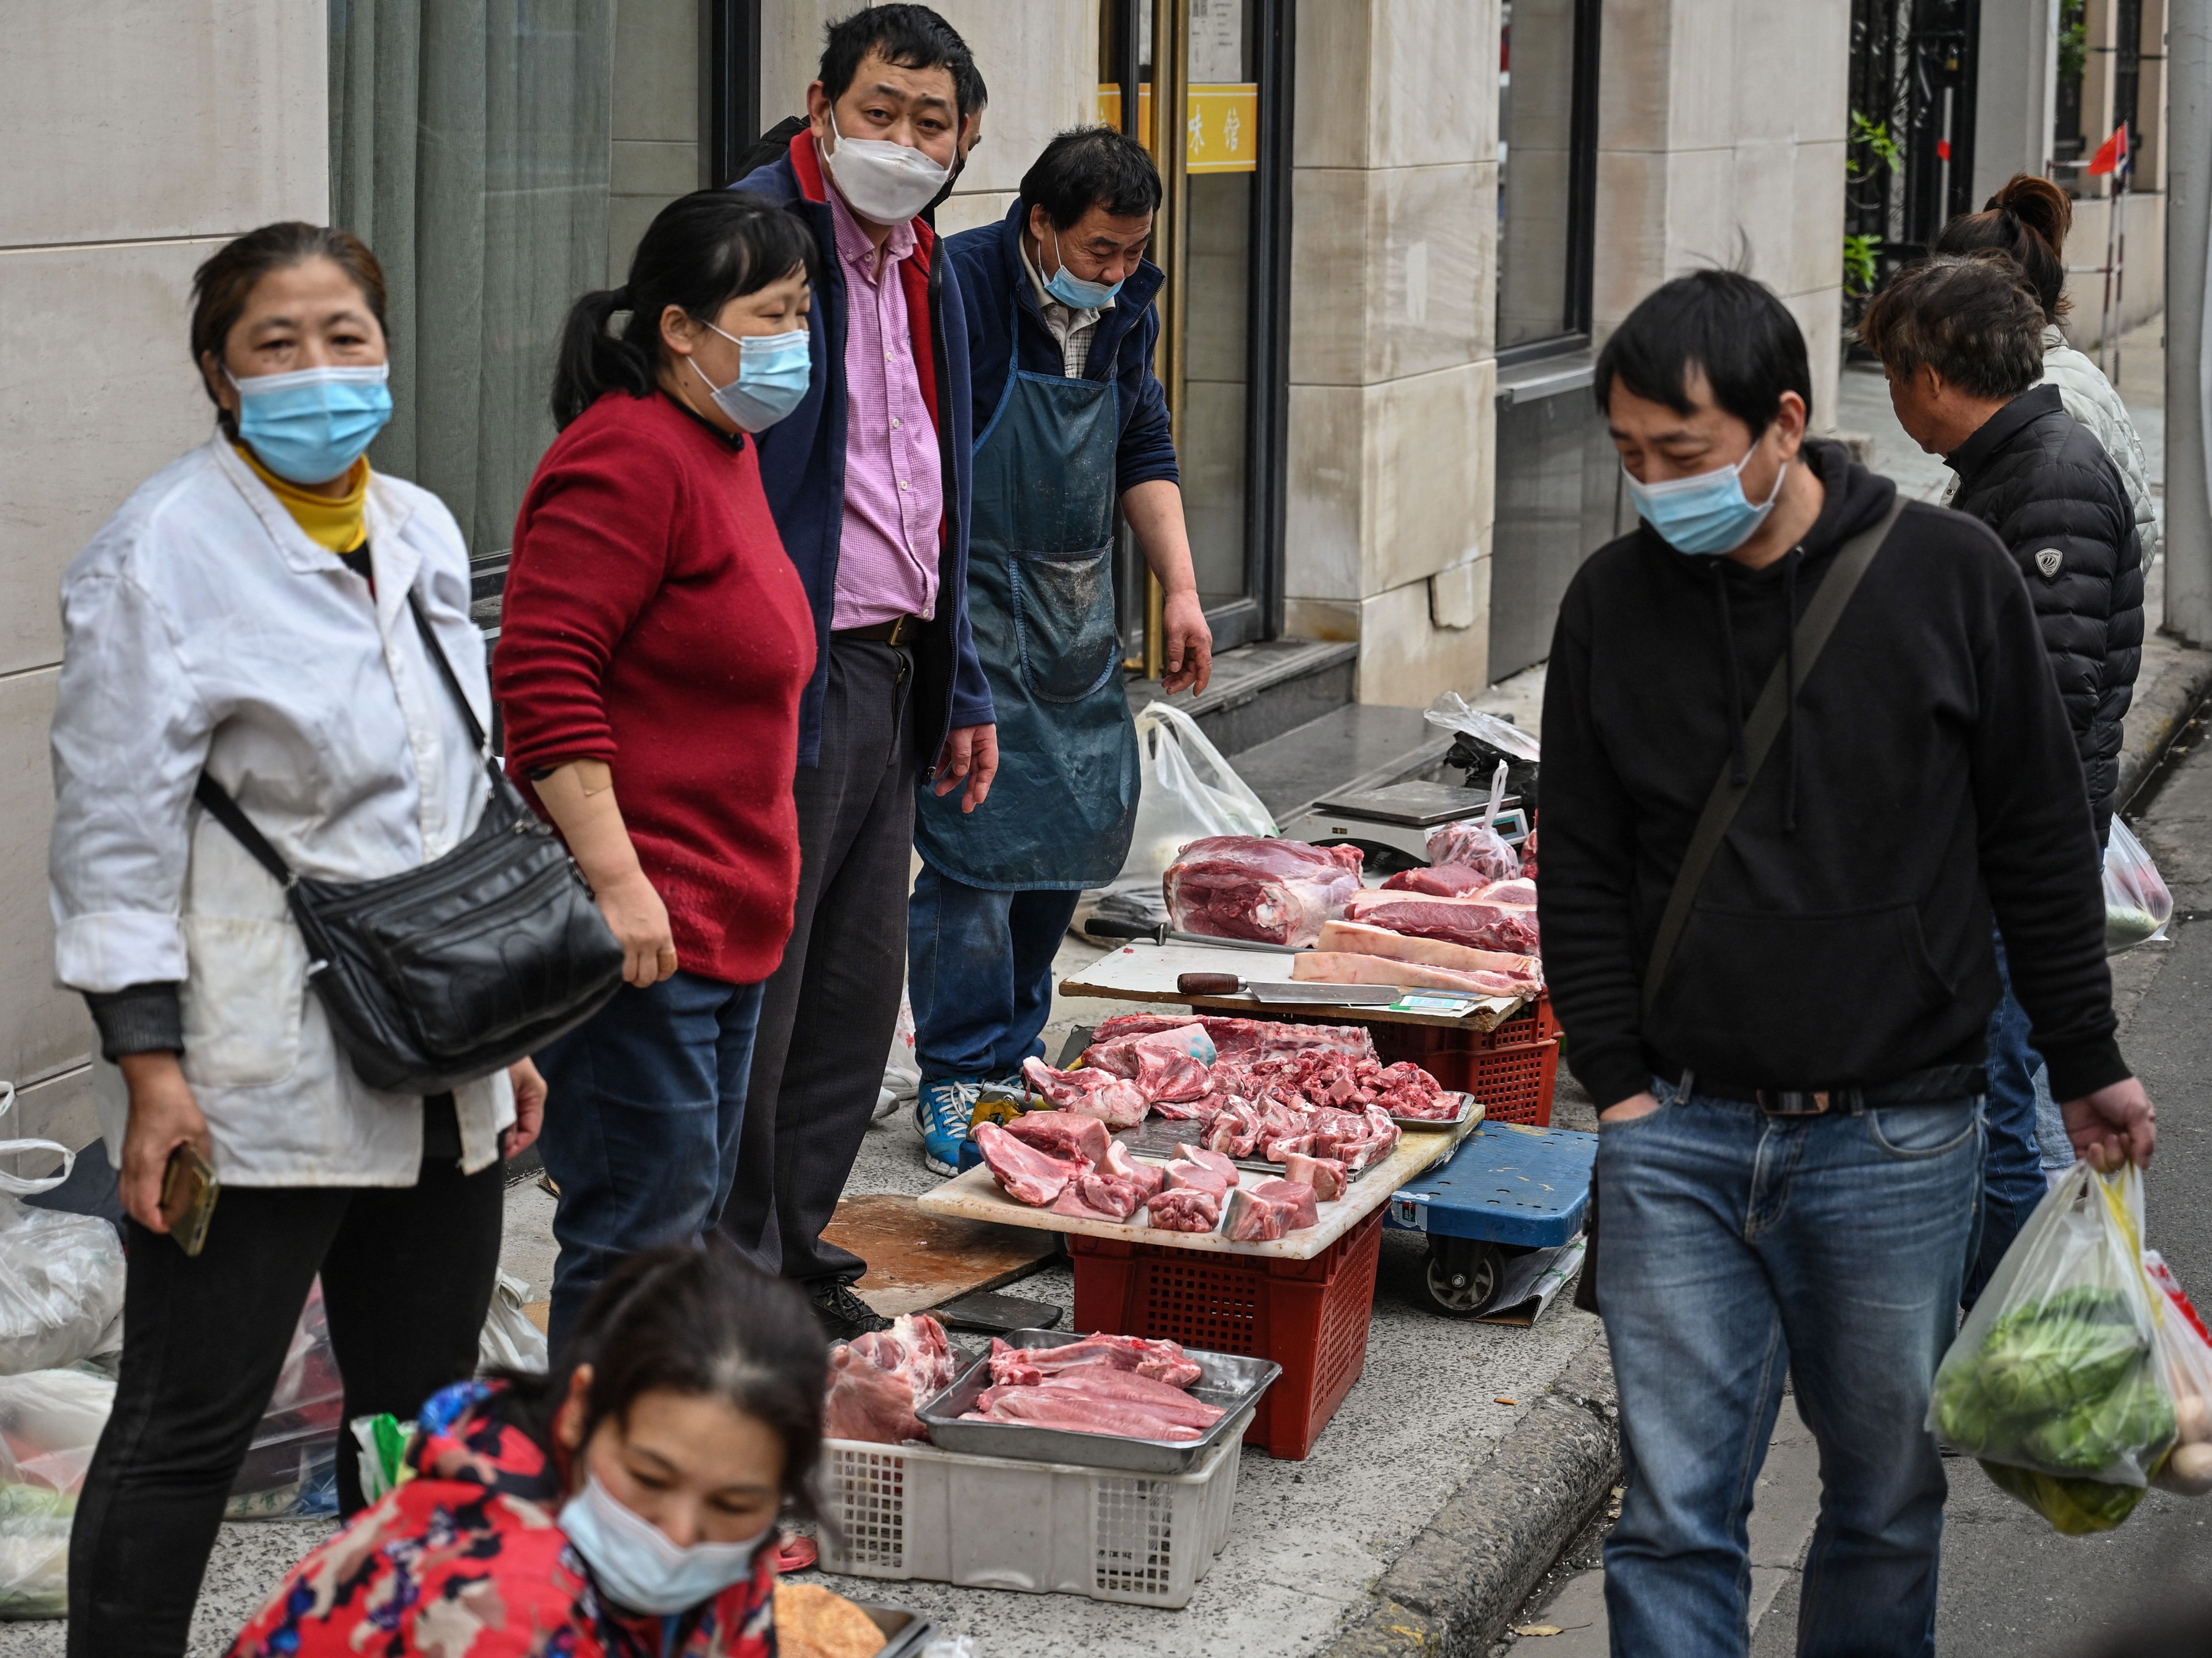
(1400, 816)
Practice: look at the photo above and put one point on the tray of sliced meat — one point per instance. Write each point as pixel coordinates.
(1450, 1110)
(1099, 1401)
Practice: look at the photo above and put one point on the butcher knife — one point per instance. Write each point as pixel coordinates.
(1106, 927)
(1279, 993)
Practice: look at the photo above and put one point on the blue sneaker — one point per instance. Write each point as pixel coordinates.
(942, 1113)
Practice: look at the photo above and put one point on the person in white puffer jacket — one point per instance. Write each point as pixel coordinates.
(2028, 219)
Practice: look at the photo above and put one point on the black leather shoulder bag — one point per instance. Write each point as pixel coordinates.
(450, 971)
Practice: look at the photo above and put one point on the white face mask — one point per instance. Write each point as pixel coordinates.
(880, 181)
(638, 1565)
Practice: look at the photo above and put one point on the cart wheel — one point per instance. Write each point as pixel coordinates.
(1462, 1276)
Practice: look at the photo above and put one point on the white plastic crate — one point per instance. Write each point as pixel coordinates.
(911, 1511)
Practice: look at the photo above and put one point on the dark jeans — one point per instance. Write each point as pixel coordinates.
(644, 1102)
(407, 1279)
(1739, 1248)
(979, 973)
(826, 1023)
(2012, 1176)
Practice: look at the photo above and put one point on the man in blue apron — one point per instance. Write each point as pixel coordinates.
(1068, 419)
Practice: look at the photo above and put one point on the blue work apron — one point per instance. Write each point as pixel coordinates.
(1041, 602)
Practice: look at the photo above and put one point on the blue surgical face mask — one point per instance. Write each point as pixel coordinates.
(311, 425)
(1071, 289)
(773, 371)
(638, 1565)
(1706, 513)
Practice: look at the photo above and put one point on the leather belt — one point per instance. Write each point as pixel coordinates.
(1938, 1085)
(898, 631)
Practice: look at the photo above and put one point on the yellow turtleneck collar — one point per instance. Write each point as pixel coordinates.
(336, 524)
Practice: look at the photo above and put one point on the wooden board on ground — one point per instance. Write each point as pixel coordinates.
(1147, 972)
(975, 1196)
(916, 1260)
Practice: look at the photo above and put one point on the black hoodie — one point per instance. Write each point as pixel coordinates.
(1927, 775)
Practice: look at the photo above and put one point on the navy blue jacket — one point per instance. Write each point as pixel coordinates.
(997, 292)
(802, 461)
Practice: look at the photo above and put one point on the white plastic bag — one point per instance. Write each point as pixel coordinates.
(510, 1340)
(1452, 712)
(2057, 1381)
(1188, 792)
(49, 1421)
(902, 1074)
(2137, 905)
(61, 1275)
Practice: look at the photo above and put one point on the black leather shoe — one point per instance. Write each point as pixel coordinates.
(844, 1314)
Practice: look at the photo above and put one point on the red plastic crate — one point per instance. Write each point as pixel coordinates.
(1512, 1070)
(1311, 1317)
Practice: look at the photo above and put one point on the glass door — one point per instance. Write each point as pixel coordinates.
(1226, 309)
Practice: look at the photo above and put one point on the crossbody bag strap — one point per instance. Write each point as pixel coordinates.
(227, 811)
(1759, 732)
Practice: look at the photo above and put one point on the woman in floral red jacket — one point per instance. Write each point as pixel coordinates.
(624, 1506)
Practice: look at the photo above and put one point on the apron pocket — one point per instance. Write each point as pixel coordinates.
(1063, 609)
(244, 994)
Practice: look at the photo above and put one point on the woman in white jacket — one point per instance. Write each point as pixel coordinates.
(246, 613)
(2028, 219)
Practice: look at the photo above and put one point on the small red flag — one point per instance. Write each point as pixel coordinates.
(2110, 153)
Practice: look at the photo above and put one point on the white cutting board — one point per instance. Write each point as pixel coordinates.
(1145, 971)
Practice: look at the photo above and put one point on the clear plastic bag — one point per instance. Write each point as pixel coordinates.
(2187, 1349)
(61, 1275)
(2055, 1380)
(1472, 845)
(1188, 792)
(291, 1467)
(49, 1421)
(1452, 712)
(510, 1340)
(2137, 905)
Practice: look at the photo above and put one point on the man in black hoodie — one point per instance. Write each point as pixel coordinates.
(1790, 1144)
(1961, 339)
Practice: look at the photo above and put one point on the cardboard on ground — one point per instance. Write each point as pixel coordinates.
(975, 1196)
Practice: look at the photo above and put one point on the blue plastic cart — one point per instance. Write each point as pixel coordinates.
(1507, 1190)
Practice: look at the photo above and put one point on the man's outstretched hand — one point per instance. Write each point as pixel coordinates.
(2114, 1125)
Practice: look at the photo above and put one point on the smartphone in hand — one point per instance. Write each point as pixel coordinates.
(189, 1190)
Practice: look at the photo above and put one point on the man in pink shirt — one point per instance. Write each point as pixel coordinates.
(869, 481)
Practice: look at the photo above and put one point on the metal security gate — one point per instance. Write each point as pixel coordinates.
(1911, 150)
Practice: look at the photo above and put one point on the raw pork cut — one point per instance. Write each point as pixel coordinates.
(1162, 1361)
(1324, 1174)
(1298, 1194)
(1168, 1065)
(1439, 880)
(1190, 1177)
(1409, 1091)
(1114, 1101)
(1256, 1219)
(1341, 967)
(1273, 891)
(1102, 1381)
(1185, 1209)
(1233, 1129)
(1147, 1177)
(1244, 1040)
(1211, 1160)
(1099, 1197)
(1475, 845)
(877, 1380)
(1064, 1134)
(1047, 1407)
(1026, 1174)
(1359, 938)
(1521, 891)
(1475, 922)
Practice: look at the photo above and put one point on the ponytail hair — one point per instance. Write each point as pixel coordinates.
(2028, 221)
(701, 252)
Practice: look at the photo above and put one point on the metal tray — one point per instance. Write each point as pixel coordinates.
(1227, 1380)
(906, 1632)
(1467, 1103)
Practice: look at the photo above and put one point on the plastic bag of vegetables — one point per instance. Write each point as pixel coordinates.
(50, 1420)
(2137, 905)
(2187, 1349)
(2055, 1380)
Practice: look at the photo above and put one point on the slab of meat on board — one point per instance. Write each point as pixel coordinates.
(1244, 1040)
(1099, 1197)
(1185, 1209)
(1439, 880)
(1025, 1173)
(1147, 1177)
(1273, 891)
(1254, 1217)
(1324, 1174)
(1477, 922)
(1064, 1134)
(1114, 1101)
(1341, 967)
(1359, 938)
(1167, 1066)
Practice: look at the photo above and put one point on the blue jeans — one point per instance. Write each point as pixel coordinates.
(979, 974)
(1737, 1248)
(643, 1104)
(2019, 1101)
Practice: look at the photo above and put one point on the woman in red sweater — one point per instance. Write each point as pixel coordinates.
(653, 647)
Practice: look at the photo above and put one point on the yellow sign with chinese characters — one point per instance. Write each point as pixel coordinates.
(1222, 126)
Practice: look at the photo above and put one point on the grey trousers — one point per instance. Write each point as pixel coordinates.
(828, 1013)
